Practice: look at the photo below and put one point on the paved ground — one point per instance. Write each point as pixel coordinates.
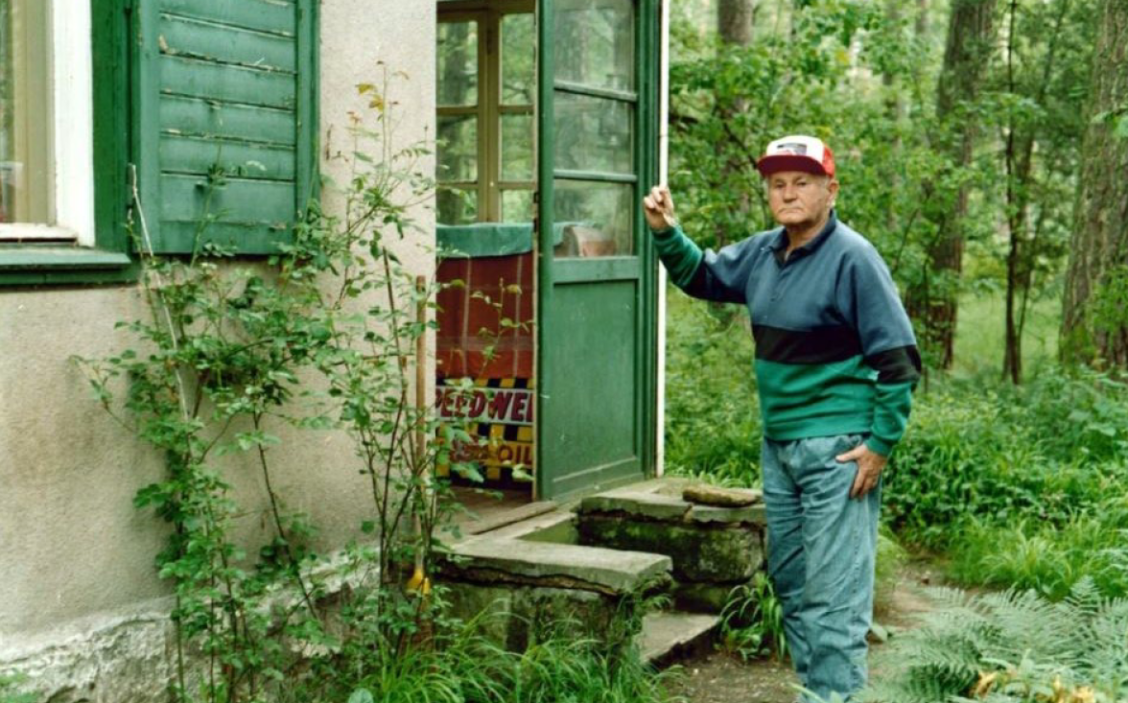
(718, 677)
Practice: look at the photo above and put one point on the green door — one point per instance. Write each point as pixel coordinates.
(597, 147)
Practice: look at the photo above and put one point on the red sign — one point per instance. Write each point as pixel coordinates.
(500, 406)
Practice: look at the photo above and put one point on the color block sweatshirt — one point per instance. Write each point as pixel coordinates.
(835, 352)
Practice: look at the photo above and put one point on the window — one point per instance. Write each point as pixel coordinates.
(212, 104)
(46, 153)
(486, 86)
(596, 117)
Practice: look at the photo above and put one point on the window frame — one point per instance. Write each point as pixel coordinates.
(98, 250)
(489, 109)
(109, 253)
(71, 181)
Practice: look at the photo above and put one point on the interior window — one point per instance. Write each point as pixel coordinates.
(486, 84)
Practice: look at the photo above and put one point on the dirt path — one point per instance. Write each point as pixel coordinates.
(719, 677)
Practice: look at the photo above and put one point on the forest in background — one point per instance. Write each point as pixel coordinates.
(981, 145)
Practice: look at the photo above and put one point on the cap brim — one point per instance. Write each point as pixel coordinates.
(789, 162)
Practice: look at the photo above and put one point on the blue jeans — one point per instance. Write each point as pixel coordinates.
(821, 550)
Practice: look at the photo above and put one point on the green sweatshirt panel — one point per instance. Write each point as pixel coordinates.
(813, 400)
(680, 255)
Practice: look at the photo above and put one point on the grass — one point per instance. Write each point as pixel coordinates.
(980, 334)
(462, 665)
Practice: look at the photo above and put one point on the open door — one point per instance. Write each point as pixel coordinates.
(597, 149)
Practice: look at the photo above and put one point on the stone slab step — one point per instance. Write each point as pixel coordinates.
(662, 500)
(610, 571)
(671, 635)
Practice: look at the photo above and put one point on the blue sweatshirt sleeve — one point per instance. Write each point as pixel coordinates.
(867, 297)
(717, 276)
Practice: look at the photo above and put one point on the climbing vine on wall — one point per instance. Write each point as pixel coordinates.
(232, 357)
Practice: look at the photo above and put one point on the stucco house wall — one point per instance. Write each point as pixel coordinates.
(81, 607)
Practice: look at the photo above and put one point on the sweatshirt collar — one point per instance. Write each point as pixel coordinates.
(779, 247)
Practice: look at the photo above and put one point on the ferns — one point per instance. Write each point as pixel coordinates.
(1011, 647)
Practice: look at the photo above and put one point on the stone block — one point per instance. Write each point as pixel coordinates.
(702, 597)
(515, 616)
(704, 494)
(107, 660)
(641, 504)
(700, 553)
(668, 636)
(751, 514)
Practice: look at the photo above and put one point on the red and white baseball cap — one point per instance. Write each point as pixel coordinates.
(797, 153)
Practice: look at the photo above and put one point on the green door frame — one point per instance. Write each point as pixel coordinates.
(641, 267)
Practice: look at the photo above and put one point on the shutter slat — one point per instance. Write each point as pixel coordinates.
(251, 161)
(245, 239)
(198, 117)
(182, 37)
(263, 15)
(203, 79)
(238, 201)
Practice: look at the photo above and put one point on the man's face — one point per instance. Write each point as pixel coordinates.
(799, 199)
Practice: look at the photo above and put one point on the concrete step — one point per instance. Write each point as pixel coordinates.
(522, 514)
(671, 635)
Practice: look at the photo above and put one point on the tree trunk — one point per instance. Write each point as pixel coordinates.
(1095, 309)
(734, 27)
(734, 21)
(966, 55)
(1020, 183)
(922, 19)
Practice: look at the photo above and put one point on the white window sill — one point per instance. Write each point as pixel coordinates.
(24, 233)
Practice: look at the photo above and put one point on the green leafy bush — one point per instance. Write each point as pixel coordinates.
(1021, 486)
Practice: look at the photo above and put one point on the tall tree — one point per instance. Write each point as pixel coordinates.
(1022, 133)
(1095, 305)
(734, 28)
(971, 33)
(734, 21)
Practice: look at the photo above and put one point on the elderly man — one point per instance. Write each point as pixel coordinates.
(836, 362)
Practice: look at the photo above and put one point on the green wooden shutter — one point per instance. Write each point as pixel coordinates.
(225, 120)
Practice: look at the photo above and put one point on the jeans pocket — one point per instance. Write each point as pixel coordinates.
(847, 442)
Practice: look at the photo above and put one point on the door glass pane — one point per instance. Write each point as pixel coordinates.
(26, 162)
(457, 206)
(518, 60)
(516, 147)
(458, 148)
(594, 219)
(595, 43)
(458, 63)
(517, 205)
(594, 134)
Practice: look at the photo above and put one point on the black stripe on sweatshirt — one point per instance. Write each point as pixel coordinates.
(899, 365)
(821, 345)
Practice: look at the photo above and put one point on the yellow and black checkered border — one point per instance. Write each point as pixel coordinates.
(498, 432)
